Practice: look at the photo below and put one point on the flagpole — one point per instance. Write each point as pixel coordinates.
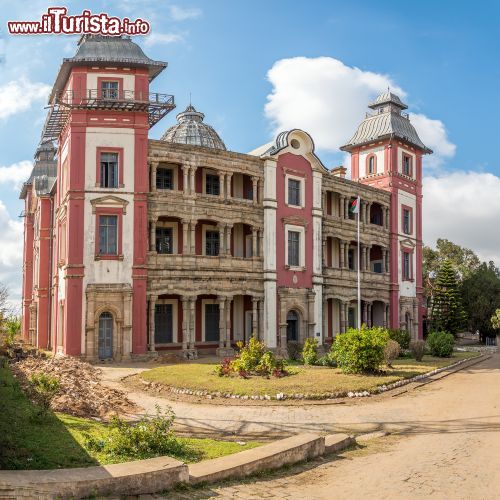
(359, 273)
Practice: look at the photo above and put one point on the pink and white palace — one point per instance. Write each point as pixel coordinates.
(134, 245)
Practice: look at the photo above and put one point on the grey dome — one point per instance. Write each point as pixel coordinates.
(190, 129)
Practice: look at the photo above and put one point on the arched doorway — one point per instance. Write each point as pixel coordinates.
(105, 335)
(292, 326)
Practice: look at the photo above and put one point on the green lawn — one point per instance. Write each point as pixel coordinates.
(57, 440)
(312, 380)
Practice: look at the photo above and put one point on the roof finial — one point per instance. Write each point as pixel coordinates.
(190, 98)
(388, 89)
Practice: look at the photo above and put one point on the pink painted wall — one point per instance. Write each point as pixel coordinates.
(297, 165)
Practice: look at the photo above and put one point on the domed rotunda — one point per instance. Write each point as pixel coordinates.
(190, 129)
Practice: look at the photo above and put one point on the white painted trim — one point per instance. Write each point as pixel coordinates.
(175, 306)
(318, 313)
(175, 232)
(302, 246)
(204, 302)
(302, 190)
(270, 306)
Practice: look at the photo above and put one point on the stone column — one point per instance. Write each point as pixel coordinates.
(192, 227)
(415, 319)
(229, 228)
(343, 306)
(185, 322)
(255, 192)
(255, 301)
(369, 312)
(152, 310)
(228, 323)
(260, 319)
(192, 322)
(192, 174)
(222, 321)
(368, 260)
(323, 202)
(346, 208)
(386, 217)
(260, 190)
(346, 256)
(325, 319)
(228, 186)
(365, 312)
(222, 245)
(152, 235)
(386, 315)
(324, 250)
(342, 254)
(384, 260)
(342, 207)
(254, 242)
(185, 236)
(154, 166)
(222, 175)
(185, 184)
(368, 212)
(362, 255)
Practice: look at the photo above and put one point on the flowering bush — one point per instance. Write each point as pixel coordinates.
(310, 352)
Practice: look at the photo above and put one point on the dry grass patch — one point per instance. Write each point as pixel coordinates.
(311, 380)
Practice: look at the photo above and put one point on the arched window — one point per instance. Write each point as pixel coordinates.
(371, 165)
(292, 326)
(105, 335)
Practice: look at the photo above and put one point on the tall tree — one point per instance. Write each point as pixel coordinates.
(481, 298)
(447, 312)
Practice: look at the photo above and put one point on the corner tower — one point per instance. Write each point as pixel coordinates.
(101, 109)
(386, 153)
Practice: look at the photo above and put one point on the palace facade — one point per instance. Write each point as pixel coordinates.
(133, 245)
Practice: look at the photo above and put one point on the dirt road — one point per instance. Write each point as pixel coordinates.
(449, 444)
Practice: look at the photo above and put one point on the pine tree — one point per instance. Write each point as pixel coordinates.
(447, 312)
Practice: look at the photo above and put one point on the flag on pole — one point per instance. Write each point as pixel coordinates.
(354, 207)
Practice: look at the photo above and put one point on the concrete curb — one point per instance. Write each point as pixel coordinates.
(272, 456)
(164, 473)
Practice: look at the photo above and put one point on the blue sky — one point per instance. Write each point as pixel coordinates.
(327, 58)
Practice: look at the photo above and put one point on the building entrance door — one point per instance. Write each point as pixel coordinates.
(105, 335)
(292, 326)
(163, 324)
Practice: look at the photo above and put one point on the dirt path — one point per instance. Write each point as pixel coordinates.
(449, 445)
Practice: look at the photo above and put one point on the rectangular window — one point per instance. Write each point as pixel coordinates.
(406, 265)
(109, 90)
(350, 259)
(163, 324)
(294, 192)
(212, 184)
(211, 322)
(109, 170)
(406, 221)
(164, 240)
(164, 178)
(407, 165)
(377, 267)
(212, 243)
(293, 248)
(108, 234)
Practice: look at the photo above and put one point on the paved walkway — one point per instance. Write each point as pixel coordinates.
(448, 447)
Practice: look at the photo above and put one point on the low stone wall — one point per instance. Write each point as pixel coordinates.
(271, 456)
(130, 478)
(161, 474)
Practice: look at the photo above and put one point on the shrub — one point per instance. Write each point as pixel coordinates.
(294, 350)
(149, 437)
(402, 337)
(224, 369)
(361, 350)
(43, 389)
(310, 351)
(417, 348)
(250, 355)
(391, 352)
(440, 344)
(327, 360)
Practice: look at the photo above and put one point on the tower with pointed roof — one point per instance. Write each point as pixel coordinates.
(386, 153)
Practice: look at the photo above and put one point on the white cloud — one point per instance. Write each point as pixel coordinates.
(463, 207)
(11, 253)
(181, 14)
(16, 173)
(162, 38)
(329, 99)
(17, 96)
(433, 135)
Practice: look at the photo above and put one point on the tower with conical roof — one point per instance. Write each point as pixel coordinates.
(101, 109)
(386, 153)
